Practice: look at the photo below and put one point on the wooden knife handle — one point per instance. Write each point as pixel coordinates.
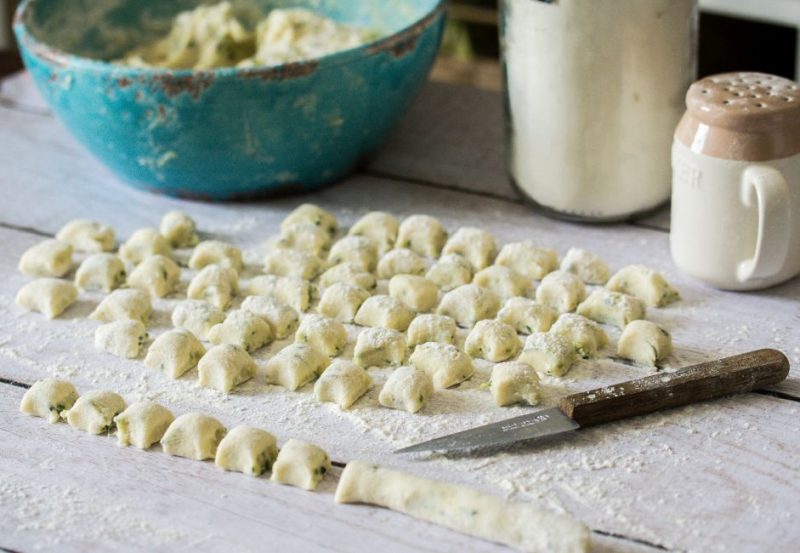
(740, 373)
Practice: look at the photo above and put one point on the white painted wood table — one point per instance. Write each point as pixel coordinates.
(720, 476)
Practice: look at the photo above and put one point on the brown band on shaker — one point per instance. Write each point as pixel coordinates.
(742, 116)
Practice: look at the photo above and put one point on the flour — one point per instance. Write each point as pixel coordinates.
(47, 510)
(605, 475)
(595, 90)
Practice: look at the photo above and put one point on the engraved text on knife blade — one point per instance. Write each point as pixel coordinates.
(525, 423)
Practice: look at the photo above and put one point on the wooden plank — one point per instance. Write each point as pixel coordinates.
(656, 479)
(64, 490)
(68, 491)
(453, 136)
(563, 477)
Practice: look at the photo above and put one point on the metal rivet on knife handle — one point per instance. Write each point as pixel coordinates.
(740, 373)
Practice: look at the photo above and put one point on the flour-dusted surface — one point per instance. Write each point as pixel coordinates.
(713, 477)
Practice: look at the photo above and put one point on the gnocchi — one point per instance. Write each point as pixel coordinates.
(157, 275)
(142, 424)
(401, 261)
(242, 328)
(48, 399)
(449, 272)
(295, 365)
(379, 227)
(548, 353)
(422, 234)
(100, 271)
(247, 449)
(175, 352)
(614, 308)
(431, 328)
(561, 291)
(407, 389)
(585, 265)
(215, 284)
(142, 244)
(492, 340)
(384, 311)
(197, 316)
(528, 260)
(342, 383)
(303, 237)
(292, 291)
(293, 263)
(216, 252)
(87, 236)
(94, 411)
(49, 296)
(282, 318)
(325, 335)
(645, 343)
(341, 301)
(312, 215)
(123, 338)
(356, 250)
(194, 436)
(179, 229)
(224, 367)
(445, 363)
(469, 304)
(300, 464)
(586, 336)
(475, 245)
(514, 382)
(123, 304)
(643, 283)
(50, 258)
(417, 292)
(503, 282)
(527, 316)
(380, 347)
(348, 273)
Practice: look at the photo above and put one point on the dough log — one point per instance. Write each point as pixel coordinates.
(519, 525)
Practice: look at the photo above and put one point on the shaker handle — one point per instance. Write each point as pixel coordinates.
(767, 189)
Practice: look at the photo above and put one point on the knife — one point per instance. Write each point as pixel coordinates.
(732, 375)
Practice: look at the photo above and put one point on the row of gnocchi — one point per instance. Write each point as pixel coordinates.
(223, 367)
(192, 435)
(378, 242)
(254, 451)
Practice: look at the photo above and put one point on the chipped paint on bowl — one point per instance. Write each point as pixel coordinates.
(228, 133)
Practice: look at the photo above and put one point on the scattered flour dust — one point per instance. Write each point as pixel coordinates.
(51, 510)
(600, 475)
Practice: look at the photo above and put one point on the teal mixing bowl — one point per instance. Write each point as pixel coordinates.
(227, 133)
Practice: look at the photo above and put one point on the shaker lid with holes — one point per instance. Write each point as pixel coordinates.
(744, 116)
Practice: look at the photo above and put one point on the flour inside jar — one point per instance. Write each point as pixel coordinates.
(595, 89)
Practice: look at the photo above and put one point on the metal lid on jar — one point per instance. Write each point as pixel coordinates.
(743, 116)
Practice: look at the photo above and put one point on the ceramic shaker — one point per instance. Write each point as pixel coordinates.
(736, 181)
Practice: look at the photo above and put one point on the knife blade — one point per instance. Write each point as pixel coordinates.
(545, 422)
(736, 374)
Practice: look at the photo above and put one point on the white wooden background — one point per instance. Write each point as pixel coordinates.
(721, 476)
